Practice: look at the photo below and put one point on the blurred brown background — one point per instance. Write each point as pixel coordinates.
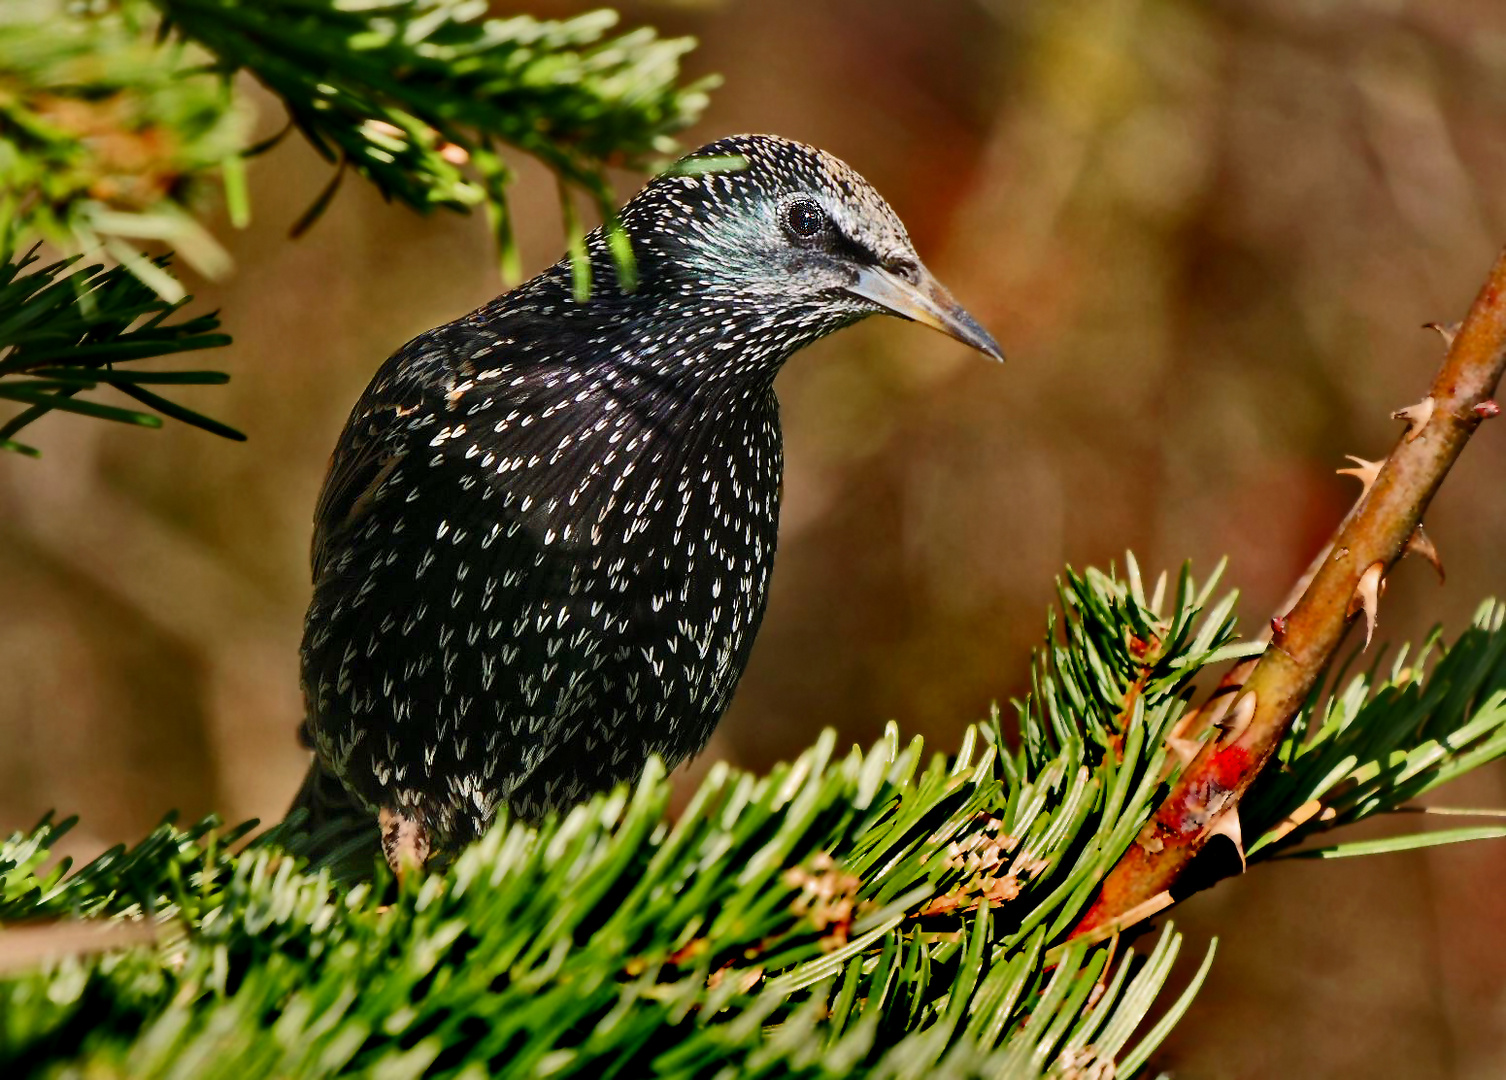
(1206, 234)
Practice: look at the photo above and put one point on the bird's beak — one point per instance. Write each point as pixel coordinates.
(924, 301)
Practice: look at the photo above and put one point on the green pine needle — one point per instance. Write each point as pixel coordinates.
(64, 327)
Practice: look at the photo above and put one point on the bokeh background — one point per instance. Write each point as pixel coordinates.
(1207, 235)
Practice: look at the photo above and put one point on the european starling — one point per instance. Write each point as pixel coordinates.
(544, 545)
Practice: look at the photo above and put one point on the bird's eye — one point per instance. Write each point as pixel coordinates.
(804, 218)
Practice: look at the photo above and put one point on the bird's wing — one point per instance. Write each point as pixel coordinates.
(410, 394)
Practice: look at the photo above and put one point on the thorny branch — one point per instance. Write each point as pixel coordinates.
(1252, 720)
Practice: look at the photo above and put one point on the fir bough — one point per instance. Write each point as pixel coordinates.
(883, 913)
(115, 116)
(65, 328)
(420, 96)
(120, 119)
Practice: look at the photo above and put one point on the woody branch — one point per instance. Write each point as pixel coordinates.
(1204, 801)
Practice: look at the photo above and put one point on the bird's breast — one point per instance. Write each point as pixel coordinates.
(660, 520)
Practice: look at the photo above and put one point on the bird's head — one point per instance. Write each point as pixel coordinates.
(761, 224)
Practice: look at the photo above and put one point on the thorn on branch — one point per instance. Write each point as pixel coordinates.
(1416, 416)
(1366, 597)
(1363, 471)
(1420, 543)
(1227, 825)
(1278, 627)
(1184, 749)
(1238, 718)
(1487, 409)
(1446, 332)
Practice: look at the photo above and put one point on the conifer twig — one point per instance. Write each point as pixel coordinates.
(1382, 527)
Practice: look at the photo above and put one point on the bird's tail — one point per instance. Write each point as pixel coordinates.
(327, 824)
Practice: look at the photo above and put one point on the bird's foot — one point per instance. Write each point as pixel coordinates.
(405, 842)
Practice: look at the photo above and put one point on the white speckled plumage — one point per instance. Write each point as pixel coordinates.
(544, 546)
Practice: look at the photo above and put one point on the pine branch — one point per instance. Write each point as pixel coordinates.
(63, 331)
(108, 139)
(1205, 800)
(1380, 743)
(875, 914)
(607, 942)
(842, 916)
(418, 96)
(115, 121)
